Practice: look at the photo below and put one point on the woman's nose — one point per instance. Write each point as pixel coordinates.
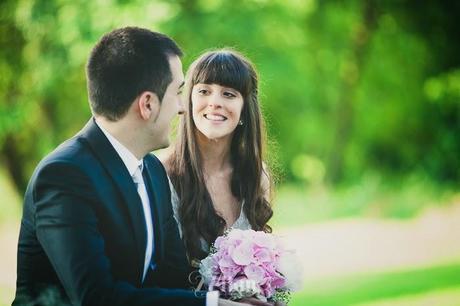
(215, 100)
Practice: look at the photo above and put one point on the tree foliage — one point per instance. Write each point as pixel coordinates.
(347, 86)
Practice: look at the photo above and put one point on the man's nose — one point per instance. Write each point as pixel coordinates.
(180, 109)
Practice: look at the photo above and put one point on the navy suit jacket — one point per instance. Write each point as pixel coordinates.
(83, 234)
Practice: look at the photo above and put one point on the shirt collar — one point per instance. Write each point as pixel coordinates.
(128, 158)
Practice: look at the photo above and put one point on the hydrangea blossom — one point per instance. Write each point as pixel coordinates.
(246, 263)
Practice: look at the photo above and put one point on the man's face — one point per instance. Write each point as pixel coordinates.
(171, 104)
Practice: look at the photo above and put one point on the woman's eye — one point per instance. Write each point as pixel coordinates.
(229, 94)
(202, 91)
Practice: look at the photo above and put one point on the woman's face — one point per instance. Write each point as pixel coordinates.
(216, 109)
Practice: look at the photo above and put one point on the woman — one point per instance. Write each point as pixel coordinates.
(217, 172)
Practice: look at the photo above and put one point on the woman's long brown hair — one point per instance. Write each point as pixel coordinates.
(196, 211)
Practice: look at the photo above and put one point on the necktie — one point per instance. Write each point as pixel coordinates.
(142, 191)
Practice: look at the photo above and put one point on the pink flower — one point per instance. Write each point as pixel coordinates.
(277, 281)
(262, 255)
(247, 255)
(218, 241)
(229, 273)
(254, 272)
(239, 235)
(226, 261)
(264, 240)
(243, 254)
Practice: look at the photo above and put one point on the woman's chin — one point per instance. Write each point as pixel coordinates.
(214, 135)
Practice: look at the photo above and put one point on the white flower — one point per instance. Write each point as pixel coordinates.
(291, 268)
(206, 269)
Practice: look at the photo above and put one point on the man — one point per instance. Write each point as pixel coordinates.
(97, 225)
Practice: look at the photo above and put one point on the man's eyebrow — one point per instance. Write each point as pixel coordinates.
(181, 85)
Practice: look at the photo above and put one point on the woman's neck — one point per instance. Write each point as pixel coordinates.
(215, 154)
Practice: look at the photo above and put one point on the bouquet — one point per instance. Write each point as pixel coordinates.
(246, 263)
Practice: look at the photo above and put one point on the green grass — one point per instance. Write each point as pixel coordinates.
(444, 297)
(369, 288)
(297, 205)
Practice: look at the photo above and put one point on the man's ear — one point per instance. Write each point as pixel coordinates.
(149, 105)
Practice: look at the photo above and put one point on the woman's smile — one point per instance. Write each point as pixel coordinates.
(215, 117)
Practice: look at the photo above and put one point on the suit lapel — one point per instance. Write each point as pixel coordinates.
(117, 170)
(153, 188)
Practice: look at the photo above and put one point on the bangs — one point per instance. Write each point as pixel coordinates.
(225, 69)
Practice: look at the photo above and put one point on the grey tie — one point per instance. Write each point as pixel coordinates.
(142, 191)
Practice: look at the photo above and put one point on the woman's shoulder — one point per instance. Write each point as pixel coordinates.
(165, 159)
(174, 195)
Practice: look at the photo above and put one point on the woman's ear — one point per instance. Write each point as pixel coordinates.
(149, 105)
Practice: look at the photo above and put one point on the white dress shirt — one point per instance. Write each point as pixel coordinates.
(135, 168)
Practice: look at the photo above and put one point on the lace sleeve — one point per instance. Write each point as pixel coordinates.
(175, 205)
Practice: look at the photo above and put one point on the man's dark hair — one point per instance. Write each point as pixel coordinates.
(125, 63)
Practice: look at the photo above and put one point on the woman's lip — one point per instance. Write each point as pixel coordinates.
(215, 117)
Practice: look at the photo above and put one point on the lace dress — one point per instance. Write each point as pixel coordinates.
(241, 223)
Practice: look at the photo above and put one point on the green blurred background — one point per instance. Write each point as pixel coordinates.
(362, 103)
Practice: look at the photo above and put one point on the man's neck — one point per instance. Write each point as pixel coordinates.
(126, 133)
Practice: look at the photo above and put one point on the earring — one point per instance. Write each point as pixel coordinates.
(240, 122)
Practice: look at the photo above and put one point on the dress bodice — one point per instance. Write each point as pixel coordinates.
(241, 223)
